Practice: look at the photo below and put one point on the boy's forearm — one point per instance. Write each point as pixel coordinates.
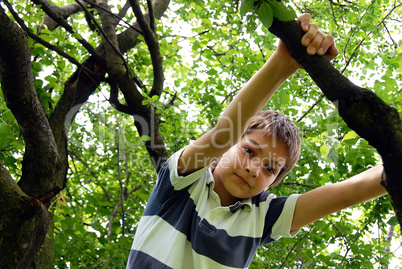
(366, 185)
(253, 97)
(331, 198)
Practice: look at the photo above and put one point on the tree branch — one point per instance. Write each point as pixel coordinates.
(294, 246)
(119, 17)
(49, 9)
(11, 195)
(92, 173)
(123, 188)
(348, 61)
(114, 101)
(87, 85)
(153, 47)
(362, 110)
(151, 16)
(43, 42)
(64, 12)
(104, 34)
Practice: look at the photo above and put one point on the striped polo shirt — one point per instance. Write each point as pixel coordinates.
(184, 225)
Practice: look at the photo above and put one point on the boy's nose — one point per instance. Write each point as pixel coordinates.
(252, 171)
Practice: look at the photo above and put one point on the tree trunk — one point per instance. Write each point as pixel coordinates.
(24, 216)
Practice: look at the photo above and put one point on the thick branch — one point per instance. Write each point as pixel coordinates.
(114, 64)
(114, 100)
(128, 38)
(151, 16)
(11, 196)
(111, 25)
(41, 162)
(362, 110)
(153, 47)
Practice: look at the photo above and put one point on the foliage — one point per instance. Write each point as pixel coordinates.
(267, 10)
(208, 53)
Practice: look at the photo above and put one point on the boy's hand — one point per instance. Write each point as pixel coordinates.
(316, 42)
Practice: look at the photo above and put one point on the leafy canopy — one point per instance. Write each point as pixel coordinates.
(267, 10)
(208, 54)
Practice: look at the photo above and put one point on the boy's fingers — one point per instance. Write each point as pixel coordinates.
(310, 35)
(326, 43)
(316, 41)
(328, 47)
(315, 45)
(304, 21)
(332, 52)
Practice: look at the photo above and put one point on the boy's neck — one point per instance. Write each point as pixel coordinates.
(225, 198)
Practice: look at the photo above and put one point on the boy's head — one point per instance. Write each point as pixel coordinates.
(276, 124)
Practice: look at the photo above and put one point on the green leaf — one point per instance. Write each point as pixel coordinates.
(324, 150)
(3, 128)
(265, 14)
(350, 135)
(282, 12)
(246, 6)
(77, 36)
(393, 221)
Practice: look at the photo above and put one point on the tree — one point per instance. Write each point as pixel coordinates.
(77, 78)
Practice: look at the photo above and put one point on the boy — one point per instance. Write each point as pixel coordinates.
(210, 208)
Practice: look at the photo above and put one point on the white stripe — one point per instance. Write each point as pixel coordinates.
(282, 226)
(173, 250)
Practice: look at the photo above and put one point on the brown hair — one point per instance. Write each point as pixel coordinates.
(277, 124)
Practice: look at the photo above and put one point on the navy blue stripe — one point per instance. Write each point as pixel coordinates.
(141, 260)
(262, 197)
(274, 211)
(237, 251)
(178, 210)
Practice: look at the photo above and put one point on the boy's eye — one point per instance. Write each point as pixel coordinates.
(249, 151)
(270, 169)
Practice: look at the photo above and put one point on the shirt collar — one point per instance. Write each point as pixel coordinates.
(245, 204)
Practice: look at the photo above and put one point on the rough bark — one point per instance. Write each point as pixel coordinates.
(361, 109)
(25, 218)
(41, 157)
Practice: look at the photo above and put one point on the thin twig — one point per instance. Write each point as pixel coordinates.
(294, 246)
(48, 10)
(297, 184)
(91, 171)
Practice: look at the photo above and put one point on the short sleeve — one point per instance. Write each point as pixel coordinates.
(169, 185)
(282, 226)
(181, 182)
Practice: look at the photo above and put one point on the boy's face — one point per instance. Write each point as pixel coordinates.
(249, 167)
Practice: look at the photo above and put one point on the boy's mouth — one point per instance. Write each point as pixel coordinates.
(242, 181)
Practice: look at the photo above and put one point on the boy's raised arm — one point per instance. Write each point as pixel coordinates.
(327, 199)
(252, 98)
